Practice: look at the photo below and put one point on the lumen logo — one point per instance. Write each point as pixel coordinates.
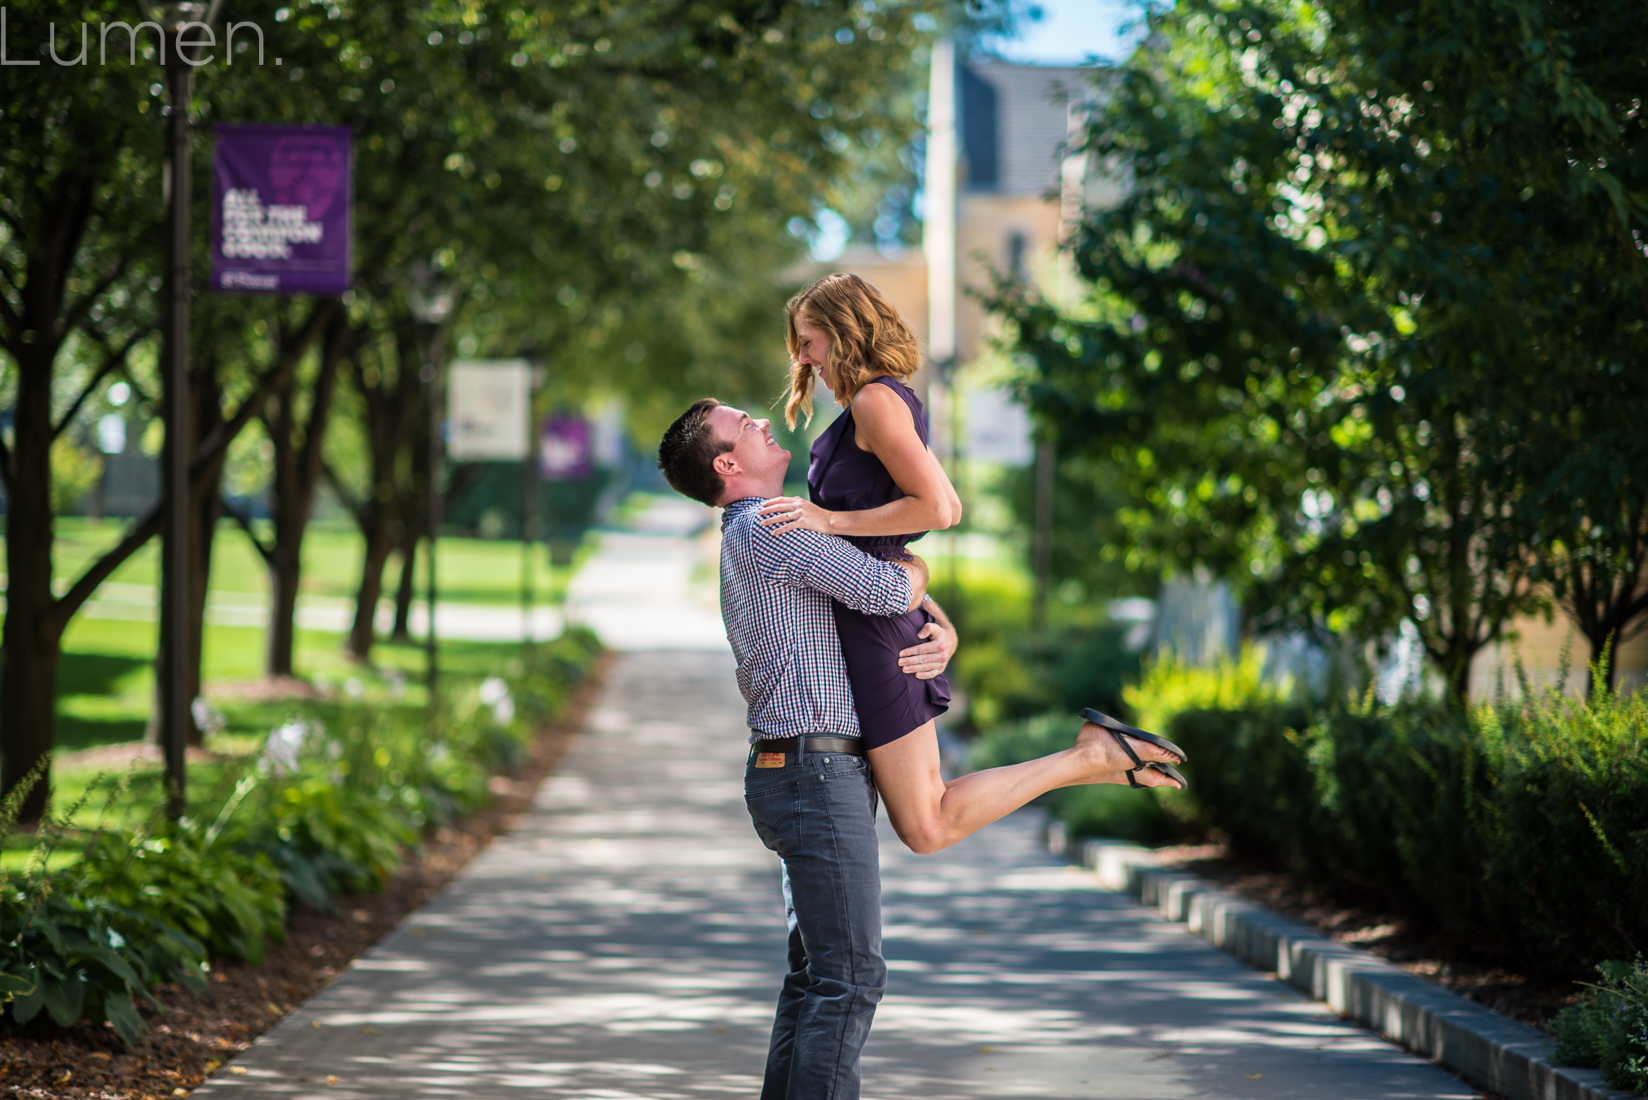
(190, 43)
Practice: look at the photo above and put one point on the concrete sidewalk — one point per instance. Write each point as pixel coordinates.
(627, 942)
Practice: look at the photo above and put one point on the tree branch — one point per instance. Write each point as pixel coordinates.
(141, 531)
(271, 379)
(143, 395)
(111, 361)
(12, 319)
(355, 505)
(72, 316)
(267, 553)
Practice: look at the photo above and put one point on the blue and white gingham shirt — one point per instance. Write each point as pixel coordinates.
(775, 604)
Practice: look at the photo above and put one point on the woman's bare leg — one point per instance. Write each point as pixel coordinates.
(929, 814)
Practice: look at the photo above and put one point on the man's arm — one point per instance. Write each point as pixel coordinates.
(843, 572)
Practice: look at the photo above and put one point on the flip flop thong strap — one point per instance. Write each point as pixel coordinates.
(1121, 739)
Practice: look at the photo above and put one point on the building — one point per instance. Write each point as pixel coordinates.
(998, 189)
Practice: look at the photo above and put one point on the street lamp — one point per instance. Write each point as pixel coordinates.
(181, 22)
(430, 297)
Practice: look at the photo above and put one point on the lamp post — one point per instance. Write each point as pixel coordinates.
(430, 298)
(180, 22)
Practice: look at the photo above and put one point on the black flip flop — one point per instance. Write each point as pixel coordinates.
(1165, 769)
(1121, 731)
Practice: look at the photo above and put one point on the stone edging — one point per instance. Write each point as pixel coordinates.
(1490, 1051)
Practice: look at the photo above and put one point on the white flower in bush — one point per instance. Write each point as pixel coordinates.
(208, 719)
(495, 694)
(280, 752)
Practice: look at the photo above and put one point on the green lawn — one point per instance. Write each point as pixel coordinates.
(107, 693)
(106, 679)
(471, 570)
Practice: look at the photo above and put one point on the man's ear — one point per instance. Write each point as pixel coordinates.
(725, 464)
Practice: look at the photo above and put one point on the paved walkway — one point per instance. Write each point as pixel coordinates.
(627, 942)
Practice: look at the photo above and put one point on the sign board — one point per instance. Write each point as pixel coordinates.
(998, 428)
(489, 410)
(566, 447)
(280, 210)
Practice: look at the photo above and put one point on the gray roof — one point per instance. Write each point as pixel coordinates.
(1014, 123)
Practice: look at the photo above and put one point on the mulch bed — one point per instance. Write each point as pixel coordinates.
(1531, 1000)
(198, 1032)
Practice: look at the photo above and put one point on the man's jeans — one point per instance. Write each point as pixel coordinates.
(818, 813)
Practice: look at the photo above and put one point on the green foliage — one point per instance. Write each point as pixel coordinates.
(1171, 686)
(1010, 672)
(74, 472)
(1518, 830)
(1359, 332)
(1608, 1028)
(312, 815)
(230, 901)
(77, 958)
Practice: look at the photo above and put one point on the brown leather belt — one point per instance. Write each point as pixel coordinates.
(847, 746)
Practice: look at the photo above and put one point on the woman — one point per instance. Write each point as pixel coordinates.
(874, 481)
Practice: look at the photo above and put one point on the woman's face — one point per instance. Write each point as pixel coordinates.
(813, 350)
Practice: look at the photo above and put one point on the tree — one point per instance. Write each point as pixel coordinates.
(1307, 340)
(77, 232)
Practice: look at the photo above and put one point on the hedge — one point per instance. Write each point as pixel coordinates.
(1519, 830)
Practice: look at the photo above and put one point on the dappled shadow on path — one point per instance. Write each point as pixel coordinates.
(627, 942)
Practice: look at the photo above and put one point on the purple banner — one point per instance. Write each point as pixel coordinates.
(280, 211)
(564, 445)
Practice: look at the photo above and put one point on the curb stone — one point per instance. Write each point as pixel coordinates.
(1490, 1051)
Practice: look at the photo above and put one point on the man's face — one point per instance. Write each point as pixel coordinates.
(754, 450)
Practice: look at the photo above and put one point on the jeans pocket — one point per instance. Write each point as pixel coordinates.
(773, 812)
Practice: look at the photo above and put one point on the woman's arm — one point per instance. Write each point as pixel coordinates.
(886, 428)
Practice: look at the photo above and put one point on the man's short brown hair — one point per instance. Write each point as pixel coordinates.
(688, 452)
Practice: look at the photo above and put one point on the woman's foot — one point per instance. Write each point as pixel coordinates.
(1112, 753)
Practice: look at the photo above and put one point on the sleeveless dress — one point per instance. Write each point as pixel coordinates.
(844, 478)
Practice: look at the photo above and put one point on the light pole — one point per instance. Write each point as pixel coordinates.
(181, 21)
(430, 298)
(529, 515)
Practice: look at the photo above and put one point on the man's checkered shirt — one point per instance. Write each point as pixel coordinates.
(775, 604)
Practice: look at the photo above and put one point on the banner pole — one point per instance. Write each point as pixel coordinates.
(176, 722)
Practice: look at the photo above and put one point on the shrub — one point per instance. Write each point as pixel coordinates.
(231, 901)
(311, 816)
(84, 958)
(1170, 686)
(1519, 830)
(1608, 1028)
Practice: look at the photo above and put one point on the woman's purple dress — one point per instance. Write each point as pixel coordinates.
(844, 478)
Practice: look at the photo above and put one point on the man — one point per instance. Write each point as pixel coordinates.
(807, 783)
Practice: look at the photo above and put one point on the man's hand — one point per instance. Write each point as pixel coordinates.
(918, 580)
(930, 658)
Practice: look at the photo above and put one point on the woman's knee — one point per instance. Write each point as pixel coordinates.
(923, 837)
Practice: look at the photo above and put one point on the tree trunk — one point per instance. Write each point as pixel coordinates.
(28, 684)
(363, 632)
(33, 631)
(408, 585)
(298, 469)
(389, 516)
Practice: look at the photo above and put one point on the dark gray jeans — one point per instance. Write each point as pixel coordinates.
(818, 813)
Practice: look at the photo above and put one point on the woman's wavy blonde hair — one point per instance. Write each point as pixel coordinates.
(867, 338)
